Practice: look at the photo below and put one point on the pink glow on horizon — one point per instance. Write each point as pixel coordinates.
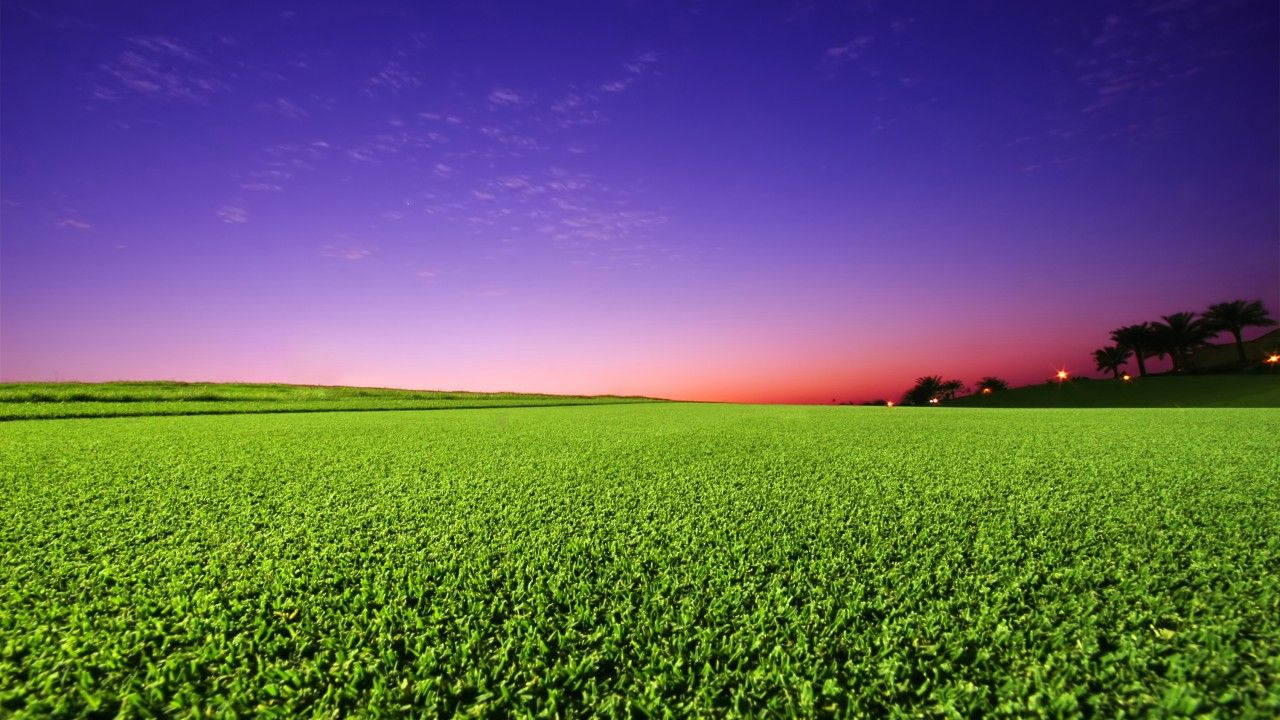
(706, 355)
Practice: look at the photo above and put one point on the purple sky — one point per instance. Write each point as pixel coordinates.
(798, 203)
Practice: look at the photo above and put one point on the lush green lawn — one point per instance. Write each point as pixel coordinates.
(648, 559)
(1155, 391)
(65, 400)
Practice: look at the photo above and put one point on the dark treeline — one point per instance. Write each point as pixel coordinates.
(1176, 336)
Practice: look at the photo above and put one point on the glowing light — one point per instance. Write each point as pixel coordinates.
(1063, 375)
(933, 401)
(1126, 377)
(986, 391)
(1273, 358)
(889, 404)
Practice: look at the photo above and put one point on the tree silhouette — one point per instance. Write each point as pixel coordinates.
(950, 389)
(931, 387)
(992, 383)
(1234, 317)
(1111, 359)
(1139, 339)
(1178, 335)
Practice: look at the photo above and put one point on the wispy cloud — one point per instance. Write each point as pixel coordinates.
(271, 173)
(392, 78)
(641, 63)
(576, 109)
(441, 117)
(512, 140)
(291, 157)
(839, 55)
(167, 46)
(261, 187)
(346, 251)
(232, 214)
(568, 103)
(73, 223)
(283, 107)
(503, 97)
(635, 68)
(1138, 51)
(588, 227)
(574, 212)
(159, 67)
(380, 146)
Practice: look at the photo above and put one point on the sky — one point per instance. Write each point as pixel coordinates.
(790, 202)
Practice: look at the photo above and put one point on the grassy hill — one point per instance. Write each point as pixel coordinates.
(1152, 391)
(64, 400)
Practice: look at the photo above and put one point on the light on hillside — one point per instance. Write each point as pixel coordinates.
(933, 401)
(1063, 375)
(1126, 377)
(889, 404)
(986, 391)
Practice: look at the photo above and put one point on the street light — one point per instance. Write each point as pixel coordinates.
(1063, 375)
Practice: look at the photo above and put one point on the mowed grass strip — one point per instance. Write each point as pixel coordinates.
(666, 559)
(24, 401)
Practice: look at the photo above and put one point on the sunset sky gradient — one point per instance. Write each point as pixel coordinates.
(801, 203)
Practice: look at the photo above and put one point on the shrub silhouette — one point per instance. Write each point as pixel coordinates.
(932, 387)
(991, 383)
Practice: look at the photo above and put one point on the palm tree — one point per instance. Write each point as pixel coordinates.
(1139, 339)
(1111, 359)
(1178, 335)
(1162, 345)
(1235, 316)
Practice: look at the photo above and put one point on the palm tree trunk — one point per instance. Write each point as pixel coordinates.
(1142, 365)
(1239, 345)
(1115, 372)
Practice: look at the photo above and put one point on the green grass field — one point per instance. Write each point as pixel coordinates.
(643, 560)
(1153, 391)
(116, 399)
